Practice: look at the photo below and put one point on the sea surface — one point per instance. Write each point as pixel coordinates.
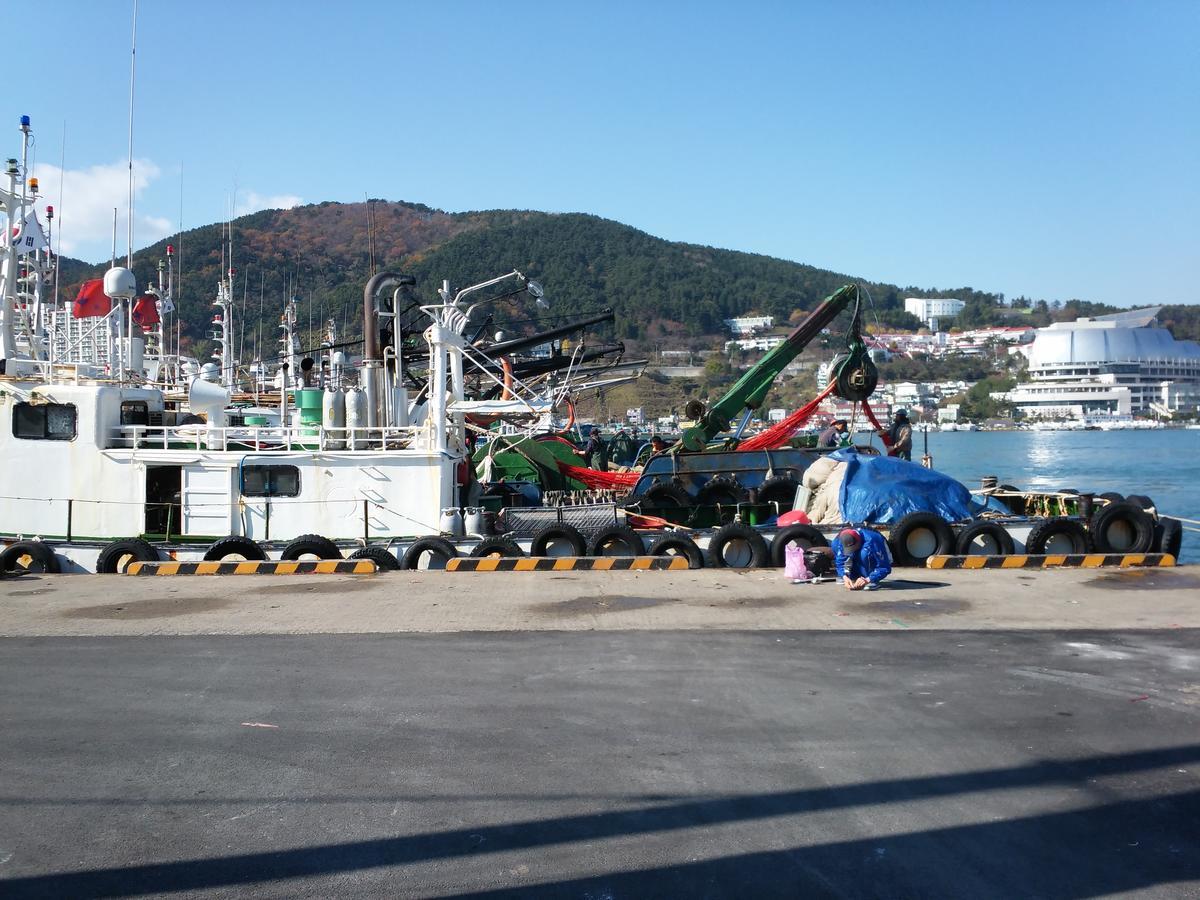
(1164, 465)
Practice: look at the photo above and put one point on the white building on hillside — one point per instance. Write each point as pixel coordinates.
(750, 324)
(932, 311)
(1120, 364)
(759, 343)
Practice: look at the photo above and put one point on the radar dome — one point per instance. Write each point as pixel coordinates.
(120, 284)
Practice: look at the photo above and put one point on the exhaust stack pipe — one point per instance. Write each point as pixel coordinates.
(372, 374)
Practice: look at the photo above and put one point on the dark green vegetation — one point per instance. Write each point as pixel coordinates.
(667, 295)
(976, 403)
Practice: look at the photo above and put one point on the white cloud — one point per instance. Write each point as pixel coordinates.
(84, 218)
(252, 201)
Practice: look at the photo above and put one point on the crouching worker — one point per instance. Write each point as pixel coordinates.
(862, 558)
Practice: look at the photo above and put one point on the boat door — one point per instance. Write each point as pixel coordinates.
(207, 500)
(164, 501)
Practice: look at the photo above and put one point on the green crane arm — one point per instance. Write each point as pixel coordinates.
(751, 389)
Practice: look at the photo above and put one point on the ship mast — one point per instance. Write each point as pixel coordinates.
(223, 330)
(14, 204)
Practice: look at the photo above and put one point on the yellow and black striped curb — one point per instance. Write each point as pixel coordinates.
(266, 567)
(564, 563)
(1052, 561)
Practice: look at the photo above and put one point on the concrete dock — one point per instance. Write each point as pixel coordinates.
(711, 734)
(755, 600)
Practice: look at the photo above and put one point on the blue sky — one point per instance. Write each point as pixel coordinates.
(1049, 149)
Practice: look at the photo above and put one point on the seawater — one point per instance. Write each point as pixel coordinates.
(1162, 464)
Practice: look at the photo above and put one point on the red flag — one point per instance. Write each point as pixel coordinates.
(91, 301)
(145, 311)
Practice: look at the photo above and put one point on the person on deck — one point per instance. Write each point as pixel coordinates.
(831, 437)
(657, 444)
(595, 453)
(901, 435)
(862, 558)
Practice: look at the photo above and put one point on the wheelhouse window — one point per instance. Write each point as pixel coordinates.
(135, 412)
(44, 421)
(270, 481)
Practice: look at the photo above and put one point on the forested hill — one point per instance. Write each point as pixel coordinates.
(664, 293)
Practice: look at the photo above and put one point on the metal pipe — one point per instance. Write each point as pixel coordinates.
(518, 344)
(370, 321)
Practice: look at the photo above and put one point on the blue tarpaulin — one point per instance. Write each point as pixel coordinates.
(883, 489)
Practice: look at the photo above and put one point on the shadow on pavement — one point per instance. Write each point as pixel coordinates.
(1116, 846)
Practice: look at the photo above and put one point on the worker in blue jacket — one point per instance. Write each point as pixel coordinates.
(862, 558)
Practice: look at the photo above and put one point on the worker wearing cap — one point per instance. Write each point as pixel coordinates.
(901, 435)
(862, 558)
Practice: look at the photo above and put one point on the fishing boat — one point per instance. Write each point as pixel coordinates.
(111, 459)
(113, 454)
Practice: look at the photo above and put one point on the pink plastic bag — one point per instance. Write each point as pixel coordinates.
(793, 562)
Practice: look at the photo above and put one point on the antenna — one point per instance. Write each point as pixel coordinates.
(62, 165)
(370, 236)
(132, 73)
(179, 266)
(242, 322)
(262, 290)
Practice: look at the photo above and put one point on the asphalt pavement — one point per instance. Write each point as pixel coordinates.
(603, 764)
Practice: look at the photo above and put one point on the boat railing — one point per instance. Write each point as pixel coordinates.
(264, 438)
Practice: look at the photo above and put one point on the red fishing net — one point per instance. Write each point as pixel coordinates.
(883, 435)
(597, 480)
(778, 435)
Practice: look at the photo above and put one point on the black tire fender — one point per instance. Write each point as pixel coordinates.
(802, 535)
(721, 489)
(678, 545)
(987, 532)
(116, 556)
(756, 554)
(918, 536)
(1122, 528)
(557, 537)
(234, 545)
(1044, 532)
(40, 558)
(1110, 496)
(666, 495)
(1168, 536)
(1141, 500)
(616, 540)
(311, 545)
(497, 546)
(438, 549)
(384, 559)
(779, 489)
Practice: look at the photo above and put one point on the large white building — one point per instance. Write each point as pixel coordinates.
(750, 324)
(1121, 364)
(932, 311)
